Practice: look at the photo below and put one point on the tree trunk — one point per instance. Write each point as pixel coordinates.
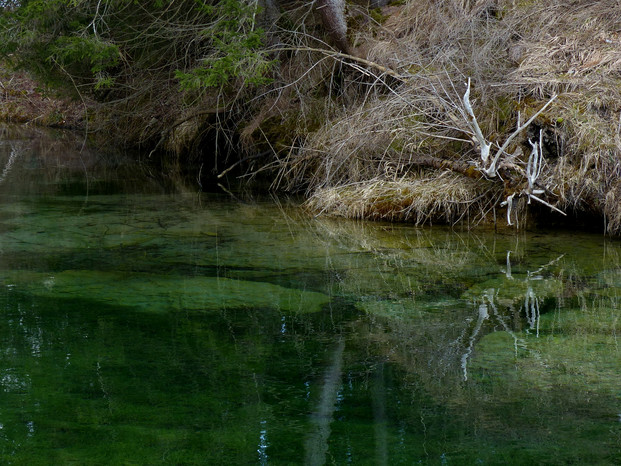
(333, 17)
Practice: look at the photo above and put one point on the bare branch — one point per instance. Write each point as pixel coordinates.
(342, 56)
(509, 204)
(532, 196)
(474, 125)
(515, 133)
(491, 169)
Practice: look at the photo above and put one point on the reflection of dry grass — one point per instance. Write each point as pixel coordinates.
(613, 211)
(443, 251)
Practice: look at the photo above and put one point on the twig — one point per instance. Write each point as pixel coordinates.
(519, 130)
(547, 204)
(336, 54)
(474, 125)
(491, 170)
(250, 157)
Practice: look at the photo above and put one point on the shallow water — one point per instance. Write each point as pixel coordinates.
(144, 323)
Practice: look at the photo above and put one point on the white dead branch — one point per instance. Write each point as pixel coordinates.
(489, 165)
(533, 170)
(509, 204)
(476, 129)
(490, 168)
(535, 163)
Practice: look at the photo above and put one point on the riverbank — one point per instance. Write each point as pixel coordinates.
(493, 112)
(473, 113)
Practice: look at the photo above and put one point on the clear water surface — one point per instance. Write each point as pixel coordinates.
(145, 323)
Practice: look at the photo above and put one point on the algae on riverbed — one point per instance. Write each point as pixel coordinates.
(164, 293)
(148, 326)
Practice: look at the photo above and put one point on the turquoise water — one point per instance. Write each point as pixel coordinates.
(145, 323)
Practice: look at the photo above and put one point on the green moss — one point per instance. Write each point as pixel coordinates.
(158, 293)
(494, 357)
(504, 108)
(377, 15)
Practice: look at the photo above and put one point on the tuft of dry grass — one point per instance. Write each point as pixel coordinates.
(446, 199)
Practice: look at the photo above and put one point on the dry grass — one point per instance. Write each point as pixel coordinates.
(23, 100)
(363, 162)
(446, 199)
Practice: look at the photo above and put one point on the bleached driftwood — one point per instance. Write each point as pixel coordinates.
(533, 170)
(488, 164)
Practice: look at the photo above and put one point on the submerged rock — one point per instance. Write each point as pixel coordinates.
(162, 293)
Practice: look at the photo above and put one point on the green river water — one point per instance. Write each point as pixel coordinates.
(145, 323)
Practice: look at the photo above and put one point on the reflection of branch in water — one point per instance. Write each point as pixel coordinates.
(379, 416)
(263, 444)
(507, 270)
(317, 442)
(531, 308)
(516, 341)
(533, 276)
(7, 168)
(531, 301)
(483, 315)
(487, 308)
